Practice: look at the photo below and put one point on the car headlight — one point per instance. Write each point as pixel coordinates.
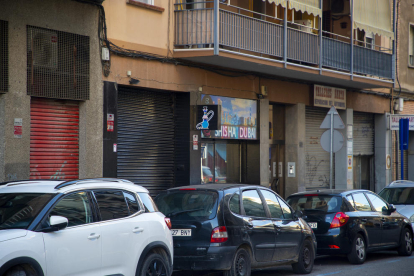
(412, 218)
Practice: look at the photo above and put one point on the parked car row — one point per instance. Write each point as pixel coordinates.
(112, 227)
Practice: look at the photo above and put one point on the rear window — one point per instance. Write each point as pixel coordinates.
(323, 203)
(188, 205)
(398, 196)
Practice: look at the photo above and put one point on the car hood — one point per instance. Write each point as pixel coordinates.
(6, 235)
(405, 210)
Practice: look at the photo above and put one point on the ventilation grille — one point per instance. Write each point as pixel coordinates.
(4, 57)
(57, 64)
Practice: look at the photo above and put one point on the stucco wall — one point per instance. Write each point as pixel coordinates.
(62, 15)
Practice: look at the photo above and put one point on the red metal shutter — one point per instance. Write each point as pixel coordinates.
(54, 139)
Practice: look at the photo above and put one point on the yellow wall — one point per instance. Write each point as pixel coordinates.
(146, 28)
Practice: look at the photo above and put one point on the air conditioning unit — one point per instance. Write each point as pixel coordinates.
(304, 25)
(43, 45)
(340, 7)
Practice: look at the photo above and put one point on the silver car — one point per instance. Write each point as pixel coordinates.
(401, 194)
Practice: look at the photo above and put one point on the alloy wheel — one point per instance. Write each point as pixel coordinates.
(360, 248)
(408, 242)
(156, 268)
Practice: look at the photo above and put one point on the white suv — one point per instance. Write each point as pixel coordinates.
(82, 227)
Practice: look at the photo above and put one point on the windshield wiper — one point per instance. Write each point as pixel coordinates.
(173, 214)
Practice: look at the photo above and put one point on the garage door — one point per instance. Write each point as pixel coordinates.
(54, 139)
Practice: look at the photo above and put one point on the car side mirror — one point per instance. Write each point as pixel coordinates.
(392, 208)
(57, 223)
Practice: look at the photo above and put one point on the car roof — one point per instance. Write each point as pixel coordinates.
(329, 192)
(400, 184)
(216, 187)
(60, 186)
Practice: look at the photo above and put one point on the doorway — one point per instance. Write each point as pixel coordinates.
(364, 172)
(276, 169)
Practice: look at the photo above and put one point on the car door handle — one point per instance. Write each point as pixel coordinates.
(93, 236)
(138, 230)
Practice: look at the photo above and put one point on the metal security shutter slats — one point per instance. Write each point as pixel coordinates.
(146, 138)
(363, 133)
(317, 162)
(54, 139)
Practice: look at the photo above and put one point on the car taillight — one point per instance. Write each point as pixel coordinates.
(340, 219)
(219, 234)
(210, 179)
(168, 222)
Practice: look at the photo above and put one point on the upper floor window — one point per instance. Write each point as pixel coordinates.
(149, 2)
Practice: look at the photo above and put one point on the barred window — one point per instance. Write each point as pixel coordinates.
(4, 57)
(58, 64)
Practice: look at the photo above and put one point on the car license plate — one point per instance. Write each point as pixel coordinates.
(181, 232)
(313, 225)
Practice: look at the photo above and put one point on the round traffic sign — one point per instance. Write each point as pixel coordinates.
(338, 140)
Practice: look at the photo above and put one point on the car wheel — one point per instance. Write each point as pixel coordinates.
(306, 259)
(155, 265)
(241, 265)
(21, 270)
(358, 251)
(406, 243)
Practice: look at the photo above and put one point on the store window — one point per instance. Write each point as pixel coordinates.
(220, 162)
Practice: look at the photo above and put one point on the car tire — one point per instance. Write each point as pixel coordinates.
(406, 243)
(21, 270)
(155, 265)
(358, 252)
(306, 259)
(241, 264)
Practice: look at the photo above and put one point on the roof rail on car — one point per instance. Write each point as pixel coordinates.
(24, 181)
(91, 180)
(399, 182)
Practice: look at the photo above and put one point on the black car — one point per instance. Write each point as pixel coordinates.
(353, 222)
(234, 228)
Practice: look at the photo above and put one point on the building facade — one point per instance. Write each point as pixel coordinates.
(51, 90)
(274, 68)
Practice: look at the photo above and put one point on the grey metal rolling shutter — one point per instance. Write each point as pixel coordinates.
(317, 163)
(363, 133)
(146, 138)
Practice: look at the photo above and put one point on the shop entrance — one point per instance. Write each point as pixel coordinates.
(276, 177)
(363, 172)
(230, 162)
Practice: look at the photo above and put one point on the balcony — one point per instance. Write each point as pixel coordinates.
(232, 37)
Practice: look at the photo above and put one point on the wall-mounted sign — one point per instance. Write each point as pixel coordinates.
(238, 118)
(110, 119)
(325, 96)
(207, 117)
(395, 121)
(18, 127)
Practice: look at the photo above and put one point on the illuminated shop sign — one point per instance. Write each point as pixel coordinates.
(238, 118)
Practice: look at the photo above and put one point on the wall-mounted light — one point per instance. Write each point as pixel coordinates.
(133, 81)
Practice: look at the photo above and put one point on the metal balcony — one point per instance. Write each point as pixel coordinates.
(213, 27)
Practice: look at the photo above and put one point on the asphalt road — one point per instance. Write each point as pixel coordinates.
(377, 264)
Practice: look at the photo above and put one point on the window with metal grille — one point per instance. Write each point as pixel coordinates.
(4, 57)
(57, 64)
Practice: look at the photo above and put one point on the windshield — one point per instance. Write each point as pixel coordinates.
(18, 210)
(318, 203)
(398, 196)
(207, 171)
(188, 205)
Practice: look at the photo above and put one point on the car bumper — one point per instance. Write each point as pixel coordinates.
(333, 243)
(217, 258)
